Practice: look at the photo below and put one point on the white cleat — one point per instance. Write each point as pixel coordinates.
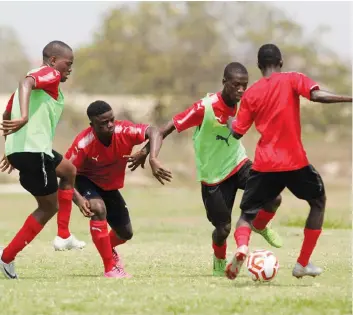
(233, 268)
(8, 269)
(309, 270)
(68, 243)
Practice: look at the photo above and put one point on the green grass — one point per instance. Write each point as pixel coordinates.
(170, 258)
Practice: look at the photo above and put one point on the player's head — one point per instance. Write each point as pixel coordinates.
(269, 56)
(235, 81)
(59, 55)
(102, 118)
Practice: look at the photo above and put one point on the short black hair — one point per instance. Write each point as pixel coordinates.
(54, 48)
(269, 55)
(97, 108)
(232, 68)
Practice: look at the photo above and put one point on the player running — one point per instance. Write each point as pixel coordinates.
(98, 153)
(280, 159)
(221, 161)
(64, 169)
(35, 114)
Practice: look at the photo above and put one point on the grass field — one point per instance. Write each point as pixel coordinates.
(170, 258)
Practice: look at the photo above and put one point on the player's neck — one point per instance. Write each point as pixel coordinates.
(106, 141)
(268, 71)
(227, 100)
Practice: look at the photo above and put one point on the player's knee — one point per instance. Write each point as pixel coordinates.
(71, 173)
(274, 204)
(277, 202)
(223, 230)
(126, 234)
(98, 208)
(318, 204)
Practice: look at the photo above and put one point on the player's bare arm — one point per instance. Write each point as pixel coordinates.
(139, 158)
(25, 88)
(4, 163)
(230, 122)
(321, 96)
(82, 203)
(156, 138)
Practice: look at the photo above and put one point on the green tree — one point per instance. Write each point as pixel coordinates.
(180, 49)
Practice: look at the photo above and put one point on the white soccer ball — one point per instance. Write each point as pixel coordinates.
(262, 265)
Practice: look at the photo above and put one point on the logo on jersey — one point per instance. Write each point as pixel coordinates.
(226, 140)
(95, 158)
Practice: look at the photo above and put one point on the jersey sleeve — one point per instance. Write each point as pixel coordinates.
(303, 85)
(75, 155)
(9, 104)
(191, 117)
(244, 118)
(45, 78)
(134, 133)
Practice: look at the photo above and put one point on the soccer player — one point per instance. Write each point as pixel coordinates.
(280, 159)
(64, 169)
(221, 161)
(98, 153)
(28, 146)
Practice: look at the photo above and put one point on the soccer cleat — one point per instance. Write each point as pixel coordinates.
(8, 269)
(117, 272)
(71, 242)
(233, 269)
(270, 235)
(117, 258)
(219, 266)
(309, 270)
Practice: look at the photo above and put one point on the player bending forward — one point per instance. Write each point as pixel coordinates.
(99, 154)
(222, 164)
(280, 159)
(63, 169)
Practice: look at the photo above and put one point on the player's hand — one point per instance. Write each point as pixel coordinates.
(136, 159)
(5, 165)
(85, 207)
(160, 172)
(11, 126)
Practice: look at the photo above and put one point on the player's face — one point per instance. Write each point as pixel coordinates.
(236, 86)
(63, 63)
(104, 124)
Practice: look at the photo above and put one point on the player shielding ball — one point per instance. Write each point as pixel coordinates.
(99, 154)
(28, 147)
(222, 164)
(64, 169)
(273, 104)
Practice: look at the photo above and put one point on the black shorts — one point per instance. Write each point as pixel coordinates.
(263, 187)
(219, 199)
(37, 171)
(117, 211)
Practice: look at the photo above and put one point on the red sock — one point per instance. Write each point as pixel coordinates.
(114, 240)
(25, 235)
(65, 206)
(309, 243)
(262, 218)
(242, 235)
(220, 251)
(100, 237)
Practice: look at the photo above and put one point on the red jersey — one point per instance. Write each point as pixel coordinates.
(47, 79)
(273, 104)
(105, 166)
(193, 117)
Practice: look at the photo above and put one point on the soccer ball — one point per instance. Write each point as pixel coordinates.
(262, 265)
